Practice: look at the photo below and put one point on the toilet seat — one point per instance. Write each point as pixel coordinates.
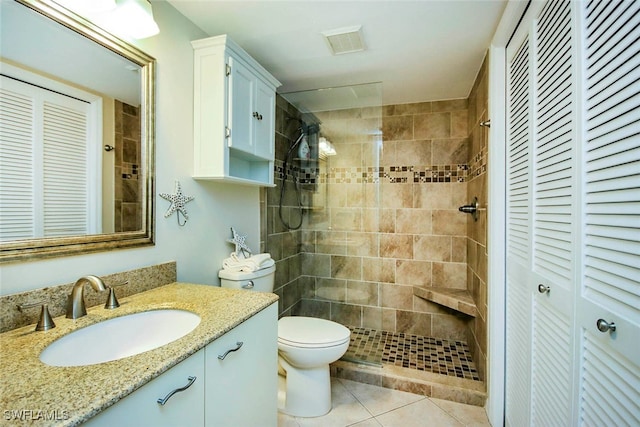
(311, 332)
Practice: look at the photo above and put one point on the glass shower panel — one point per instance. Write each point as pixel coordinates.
(340, 196)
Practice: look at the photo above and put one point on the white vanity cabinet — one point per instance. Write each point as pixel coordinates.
(141, 408)
(241, 386)
(234, 114)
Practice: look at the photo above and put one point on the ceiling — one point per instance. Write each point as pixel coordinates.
(422, 50)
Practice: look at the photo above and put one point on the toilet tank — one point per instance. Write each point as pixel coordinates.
(259, 280)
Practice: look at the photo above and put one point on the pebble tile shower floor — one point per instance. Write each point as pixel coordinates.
(435, 355)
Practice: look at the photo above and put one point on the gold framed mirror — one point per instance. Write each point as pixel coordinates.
(101, 197)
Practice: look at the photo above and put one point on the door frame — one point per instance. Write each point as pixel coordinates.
(496, 218)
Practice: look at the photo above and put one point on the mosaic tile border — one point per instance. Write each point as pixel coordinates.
(439, 356)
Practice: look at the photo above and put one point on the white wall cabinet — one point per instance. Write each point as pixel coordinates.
(573, 217)
(234, 114)
(238, 389)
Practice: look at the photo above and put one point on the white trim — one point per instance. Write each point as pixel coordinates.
(496, 220)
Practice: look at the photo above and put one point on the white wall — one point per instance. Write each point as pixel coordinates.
(199, 247)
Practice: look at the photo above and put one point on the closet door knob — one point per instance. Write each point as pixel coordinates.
(543, 289)
(604, 326)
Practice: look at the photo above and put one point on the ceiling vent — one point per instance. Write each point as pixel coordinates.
(345, 40)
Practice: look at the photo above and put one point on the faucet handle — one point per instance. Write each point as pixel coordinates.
(112, 301)
(45, 322)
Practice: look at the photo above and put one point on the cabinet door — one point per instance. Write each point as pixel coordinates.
(241, 107)
(141, 408)
(265, 121)
(241, 389)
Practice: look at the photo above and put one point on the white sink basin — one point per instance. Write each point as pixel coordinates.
(119, 337)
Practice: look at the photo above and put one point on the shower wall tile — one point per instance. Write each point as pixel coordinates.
(415, 153)
(345, 267)
(431, 126)
(449, 275)
(396, 296)
(331, 289)
(460, 124)
(412, 272)
(449, 222)
(413, 221)
(378, 270)
(363, 244)
(347, 314)
(450, 105)
(362, 293)
(411, 322)
(450, 151)
(396, 246)
(432, 248)
(397, 128)
(372, 317)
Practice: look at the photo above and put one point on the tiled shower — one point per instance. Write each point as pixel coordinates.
(380, 218)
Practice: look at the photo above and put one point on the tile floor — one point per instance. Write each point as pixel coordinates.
(363, 405)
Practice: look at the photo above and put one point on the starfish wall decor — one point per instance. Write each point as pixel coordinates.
(178, 200)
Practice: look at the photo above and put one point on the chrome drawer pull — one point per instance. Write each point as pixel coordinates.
(238, 344)
(166, 398)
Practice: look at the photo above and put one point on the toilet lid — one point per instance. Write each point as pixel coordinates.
(311, 331)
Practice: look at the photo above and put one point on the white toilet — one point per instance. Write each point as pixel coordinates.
(306, 347)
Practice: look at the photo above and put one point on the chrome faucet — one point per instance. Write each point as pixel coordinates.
(75, 303)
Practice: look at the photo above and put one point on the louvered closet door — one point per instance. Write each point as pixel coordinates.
(541, 216)
(554, 205)
(610, 278)
(518, 295)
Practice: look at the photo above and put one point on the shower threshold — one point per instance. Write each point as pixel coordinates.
(430, 366)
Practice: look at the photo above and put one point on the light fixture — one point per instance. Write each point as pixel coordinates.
(133, 18)
(325, 148)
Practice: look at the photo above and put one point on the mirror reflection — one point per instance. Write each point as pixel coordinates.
(76, 135)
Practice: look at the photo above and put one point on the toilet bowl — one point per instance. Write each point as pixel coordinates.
(306, 347)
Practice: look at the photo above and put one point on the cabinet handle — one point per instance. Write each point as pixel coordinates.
(166, 398)
(543, 289)
(604, 326)
(238, 345)
(257, 115)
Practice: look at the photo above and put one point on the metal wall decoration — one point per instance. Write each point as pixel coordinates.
(178, 201)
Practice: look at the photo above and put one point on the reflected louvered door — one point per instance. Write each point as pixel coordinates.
(609, 362)
(44, 164)
(554, 216)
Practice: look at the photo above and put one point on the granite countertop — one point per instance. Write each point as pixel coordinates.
(32, 393)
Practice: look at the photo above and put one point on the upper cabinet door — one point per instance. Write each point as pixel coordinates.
(264, 121)
(242, 90)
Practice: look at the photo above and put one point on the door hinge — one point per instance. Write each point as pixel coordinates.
(228, 71)
(227, 132)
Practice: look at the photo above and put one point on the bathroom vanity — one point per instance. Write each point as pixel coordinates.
(229, 383)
